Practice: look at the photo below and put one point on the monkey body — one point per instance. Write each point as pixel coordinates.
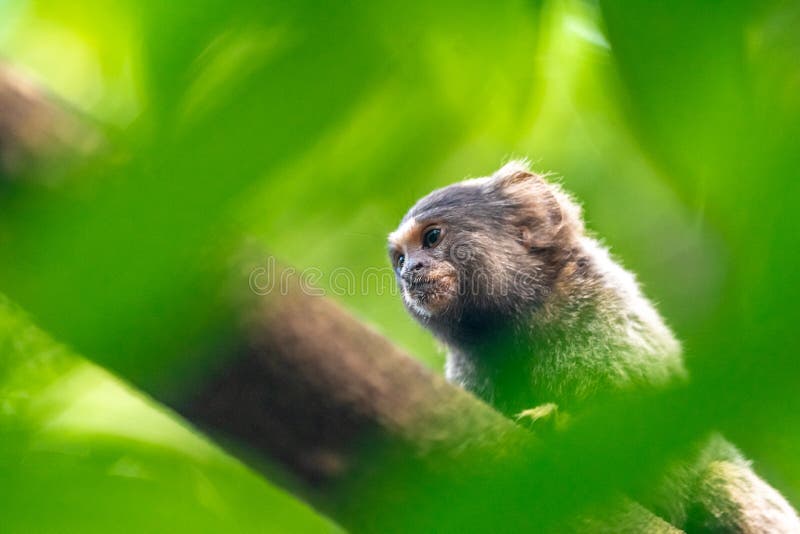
(596, 333)
(535, 312)
(532, 309)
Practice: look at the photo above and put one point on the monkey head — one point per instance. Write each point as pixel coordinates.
(483, 251)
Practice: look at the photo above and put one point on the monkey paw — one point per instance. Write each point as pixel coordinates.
(543, 418)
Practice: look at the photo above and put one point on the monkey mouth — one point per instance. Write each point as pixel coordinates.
(429, 295)
(422, 284)
(425, 287)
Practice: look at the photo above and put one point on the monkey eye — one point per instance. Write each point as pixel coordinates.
(431, 237)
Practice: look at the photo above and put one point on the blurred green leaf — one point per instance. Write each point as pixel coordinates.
(311, 130)
(81, 452)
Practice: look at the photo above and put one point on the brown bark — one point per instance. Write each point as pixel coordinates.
(37, 133)
(370, 436)
(337, 406)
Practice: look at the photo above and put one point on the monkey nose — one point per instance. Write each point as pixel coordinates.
(412, 271)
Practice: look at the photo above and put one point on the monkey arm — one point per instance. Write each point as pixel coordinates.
(544, 418)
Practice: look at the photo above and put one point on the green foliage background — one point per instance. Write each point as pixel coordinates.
(311, 128)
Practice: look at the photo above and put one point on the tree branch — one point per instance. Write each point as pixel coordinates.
(367, 433)
(37, 132)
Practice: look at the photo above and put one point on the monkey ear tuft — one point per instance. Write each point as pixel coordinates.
(514, 171)
(517, 176)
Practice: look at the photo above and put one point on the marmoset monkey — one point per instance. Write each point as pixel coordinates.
(538, 317)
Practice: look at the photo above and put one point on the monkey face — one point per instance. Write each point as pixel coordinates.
(482, 250)
(448, 265)
(425, 273)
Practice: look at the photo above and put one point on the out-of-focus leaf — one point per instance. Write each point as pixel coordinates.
(715, 96)
(81, 452)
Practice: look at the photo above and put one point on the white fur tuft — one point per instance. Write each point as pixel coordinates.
(512, 167)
